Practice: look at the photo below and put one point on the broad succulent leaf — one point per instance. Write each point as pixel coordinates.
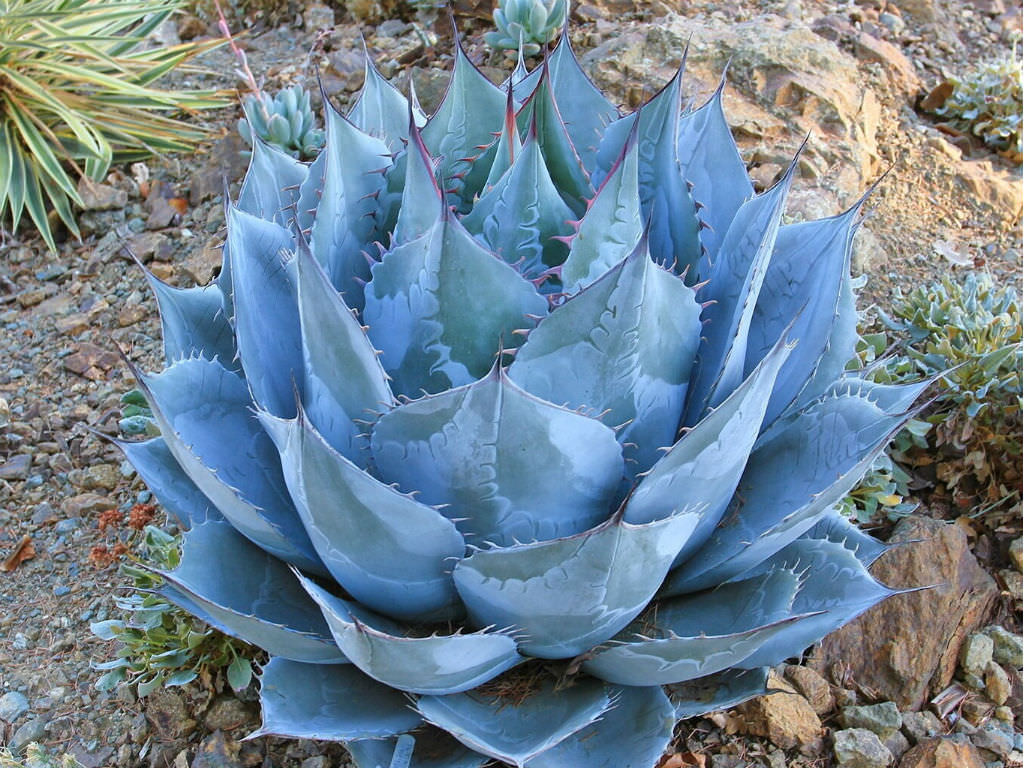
(260, 603)
(570, 594)
(523, 469)
(178, 495)
(337, 703)
(437, 665)
(506, 567)
(517, 732)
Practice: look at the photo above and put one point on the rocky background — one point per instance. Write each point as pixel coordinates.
(929, 679)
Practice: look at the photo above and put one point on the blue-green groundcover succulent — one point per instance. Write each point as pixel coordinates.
(517, 432)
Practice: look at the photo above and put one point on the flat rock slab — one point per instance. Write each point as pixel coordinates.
(906, 648)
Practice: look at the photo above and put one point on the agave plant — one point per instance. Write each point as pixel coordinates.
(527, 25)
(555, 466)
(285, 120)
(78, 90)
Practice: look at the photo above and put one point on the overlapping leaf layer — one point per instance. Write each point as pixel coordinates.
(526, 380)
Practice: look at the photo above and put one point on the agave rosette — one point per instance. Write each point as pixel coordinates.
(555, 465)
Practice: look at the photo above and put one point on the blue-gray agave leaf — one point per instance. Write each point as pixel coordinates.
(437, 305)
(271, 187)
(787, 487)
(804, 281)
(610, 228)
(720, 691)
(522, 468)
(732, 291)
(176, 492)
(260, 603)
(338, 703)
(386, 549)
(522, 218)
(635, 731)
(266, 326)
(310, 192)
(346, 221)
(517, 732)
(437, 665)
(422, 200)
(837, 528)
(560, 155)
(665, 200)
(194, 323)
(509, 142)
(894, 399)
(382, 111)
(333, 341)
(203, 411)
(703, 468)
(698, 635)
(623, 347)
(569, 594)
(427, 753)
(712, 164)
(469, 118)
(584, 109)
(839, 590)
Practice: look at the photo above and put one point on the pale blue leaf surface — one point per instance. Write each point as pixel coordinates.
(438, 307)
(836, 587)
(310, 192)
(837, 528)
(267, 324)
(343, 379)
(508, 144)
(891, 398)
(519, 217)
(711, 162)
(346, 221)
(338, 703)
(701, 471)
(624, 347)
(194, 323)
(204, 414)
(717, 692)
(520, 468)
(422, 202)
(427, 753)
(665, 200)
(697, 635)
(560, 156)
(515, 731)
(733, 287)
(469, 117)
(261, 602)
(382, 111)
(611, 227)
(584, 109)
(633, 733)
(438, 664)
(162, 474)
(386, 549)
(799, 468)
(567, 595)
(802, 287)
(271, 187)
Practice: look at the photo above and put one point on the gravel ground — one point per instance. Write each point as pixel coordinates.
(65, 317)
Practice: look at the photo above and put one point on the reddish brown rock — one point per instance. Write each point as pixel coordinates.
(785, 719)
(941, 752)
(905, 649)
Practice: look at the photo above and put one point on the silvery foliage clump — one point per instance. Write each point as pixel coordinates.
(525, 430)
(527, 25)
(284, 120)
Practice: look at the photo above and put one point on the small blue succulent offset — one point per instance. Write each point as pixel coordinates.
(555, 465)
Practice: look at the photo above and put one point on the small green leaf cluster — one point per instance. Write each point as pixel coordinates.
(136, 416)
(527, 23)
(160, 644)
(988, 103)
(882, 491)
(285, 120)
(968, 333)
(77, 94)
(36, 757)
